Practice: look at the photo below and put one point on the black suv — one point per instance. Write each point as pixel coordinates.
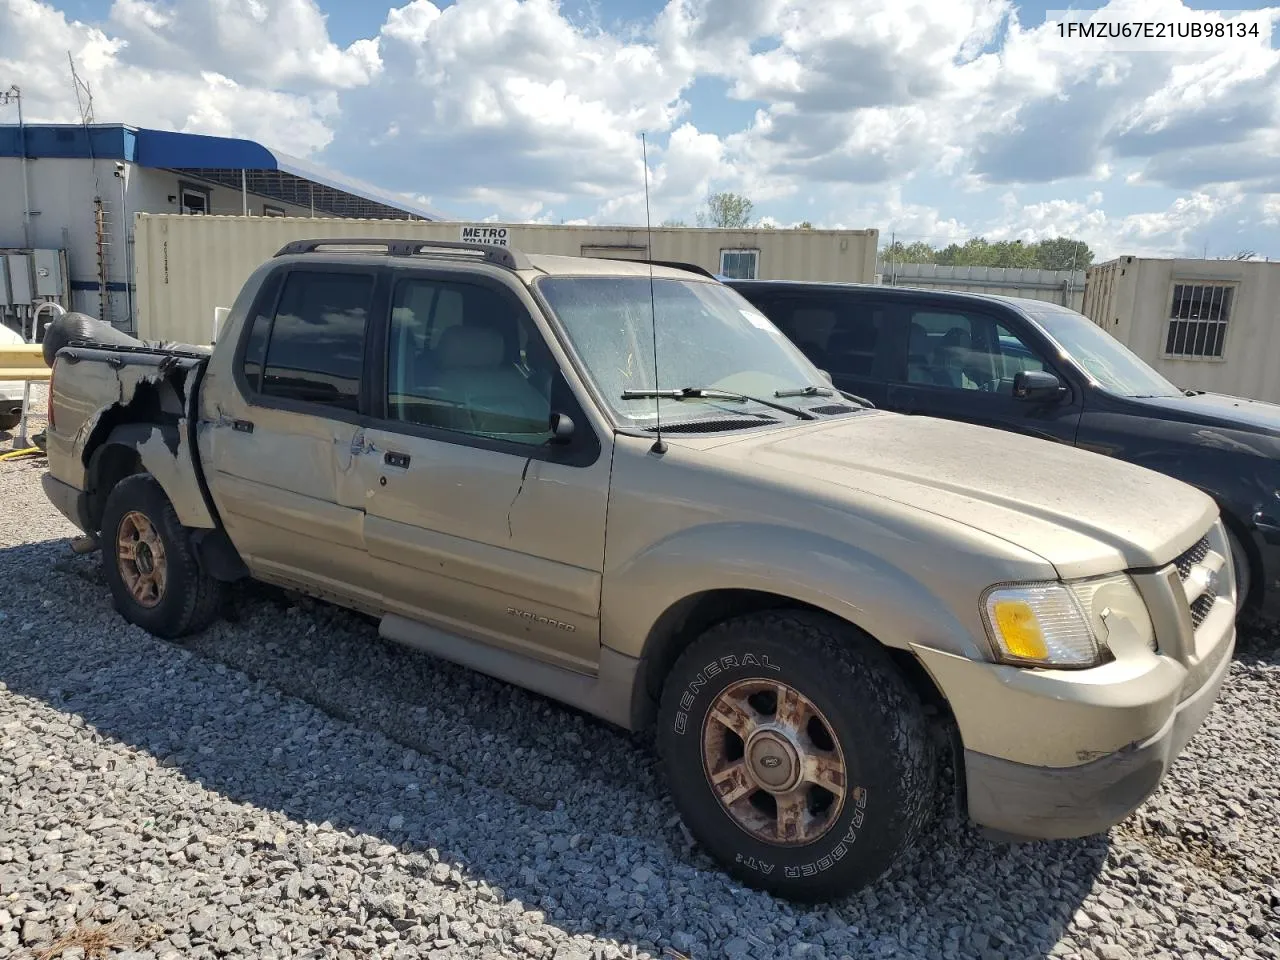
(1041, 369)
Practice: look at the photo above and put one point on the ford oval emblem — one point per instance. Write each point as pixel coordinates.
(770, 762)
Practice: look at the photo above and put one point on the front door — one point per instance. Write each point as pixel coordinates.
(480, 523)
(282, 441)
(959, 364)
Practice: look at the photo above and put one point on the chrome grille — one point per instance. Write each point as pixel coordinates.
(1200, 603)
(1200, 609)
(1198, 551)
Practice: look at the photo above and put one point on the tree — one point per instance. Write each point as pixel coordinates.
(1062, 253)
(673, 222)
(728, 211)
(803, 225)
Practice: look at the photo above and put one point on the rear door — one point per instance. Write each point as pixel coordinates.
(478, 523)
(843, 332)
(282, 440)
(958, 362)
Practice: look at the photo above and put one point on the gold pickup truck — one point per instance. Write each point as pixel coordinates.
(617, 484)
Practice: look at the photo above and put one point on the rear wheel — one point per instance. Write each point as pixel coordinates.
(149, 565)
(796, 753)
(9, 420)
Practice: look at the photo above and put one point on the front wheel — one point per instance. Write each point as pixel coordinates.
(796, 753)
(147, 561)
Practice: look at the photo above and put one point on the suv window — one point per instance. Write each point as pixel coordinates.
(467, 358)
(312, 349)
(965, 352)
(841, 336)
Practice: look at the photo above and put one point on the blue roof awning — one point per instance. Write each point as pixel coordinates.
(227, 161)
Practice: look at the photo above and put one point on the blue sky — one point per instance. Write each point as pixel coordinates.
(926, 120)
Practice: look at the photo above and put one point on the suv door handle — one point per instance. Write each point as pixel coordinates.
(391, 458)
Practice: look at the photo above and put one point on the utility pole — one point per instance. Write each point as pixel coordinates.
(14, 95)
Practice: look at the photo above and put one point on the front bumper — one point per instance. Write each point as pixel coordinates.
(1051, 754)
(1019, 801)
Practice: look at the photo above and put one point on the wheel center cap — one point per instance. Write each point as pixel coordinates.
(773, 762)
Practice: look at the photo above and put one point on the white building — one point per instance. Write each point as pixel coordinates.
(1204, 324)
(72, 192)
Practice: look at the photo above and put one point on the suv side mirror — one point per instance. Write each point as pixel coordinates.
(1036, 385)
(561, 428)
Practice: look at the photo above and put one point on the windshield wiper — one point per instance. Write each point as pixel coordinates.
(809, 391)
(816, 391)
(711, 393)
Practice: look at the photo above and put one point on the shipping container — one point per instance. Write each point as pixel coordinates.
(1204, 324)
(187, 266)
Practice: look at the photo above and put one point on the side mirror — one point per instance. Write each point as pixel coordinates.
(1036, 385)
(561, 428)
(827, 377)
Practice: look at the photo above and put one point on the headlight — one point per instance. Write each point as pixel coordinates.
(1075, 624)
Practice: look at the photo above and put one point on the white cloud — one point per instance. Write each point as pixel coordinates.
(177, 97)
(923, 117)
(277, 43)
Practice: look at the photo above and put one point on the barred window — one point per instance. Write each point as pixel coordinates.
(1198, 320)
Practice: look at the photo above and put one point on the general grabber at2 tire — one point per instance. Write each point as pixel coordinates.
(796, 753)
(147, 561)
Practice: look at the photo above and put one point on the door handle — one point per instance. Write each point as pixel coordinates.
(242, 426)
(391, 458)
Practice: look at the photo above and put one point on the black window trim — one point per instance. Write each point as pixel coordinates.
(267, 301)
(583, 449)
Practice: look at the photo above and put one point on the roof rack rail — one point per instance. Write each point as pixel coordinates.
(673, 264)
(499, 256)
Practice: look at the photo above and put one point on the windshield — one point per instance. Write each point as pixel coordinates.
(1117, 368)
(708, 336)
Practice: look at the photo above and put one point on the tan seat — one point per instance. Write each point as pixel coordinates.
(492, 396)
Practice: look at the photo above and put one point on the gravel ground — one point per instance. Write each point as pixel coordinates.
(290, 785)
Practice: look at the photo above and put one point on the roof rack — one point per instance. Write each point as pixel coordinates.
(673, 264)
(499, 256)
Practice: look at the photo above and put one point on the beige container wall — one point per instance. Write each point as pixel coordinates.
(1131, 298)
(189, 265)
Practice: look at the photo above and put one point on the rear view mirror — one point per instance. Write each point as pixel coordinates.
(561, 428)
(1036, 385)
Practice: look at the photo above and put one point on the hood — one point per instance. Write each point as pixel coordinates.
(1216, 409)
(1085, 513)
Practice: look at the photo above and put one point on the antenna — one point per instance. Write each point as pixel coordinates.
(658, 445)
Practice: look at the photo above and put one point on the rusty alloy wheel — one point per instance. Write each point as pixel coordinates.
(773, 761)
(141, 558)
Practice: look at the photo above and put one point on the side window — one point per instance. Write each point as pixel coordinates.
(965, 352)
(315, 351)
(840, 336)
(941, 350)
(466, 358)
(1014, 355)
(260, 324)
(853, 345)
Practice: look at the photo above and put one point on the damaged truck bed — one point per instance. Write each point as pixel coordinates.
(134, 410)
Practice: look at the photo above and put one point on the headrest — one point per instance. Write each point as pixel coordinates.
(466, 346)
(957, 337)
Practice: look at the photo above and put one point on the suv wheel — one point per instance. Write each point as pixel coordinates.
(796, 753)
(149, 565)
